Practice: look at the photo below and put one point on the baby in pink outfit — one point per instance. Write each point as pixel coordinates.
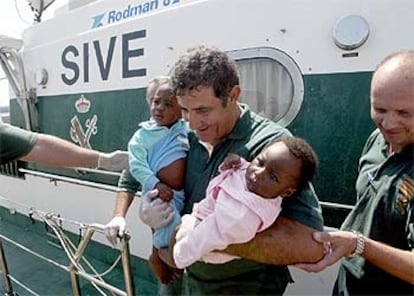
(245, 198)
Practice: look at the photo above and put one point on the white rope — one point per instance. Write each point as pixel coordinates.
(70, 248)
(55, 222)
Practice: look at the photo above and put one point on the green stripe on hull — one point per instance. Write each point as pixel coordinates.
(335, 119)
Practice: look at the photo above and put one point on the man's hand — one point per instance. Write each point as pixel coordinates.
(114, 161)
(115, 229)
(337, 244)
(153, 211)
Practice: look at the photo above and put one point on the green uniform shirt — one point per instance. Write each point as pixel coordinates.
(384, 212)
(247, 139)
(14, 142)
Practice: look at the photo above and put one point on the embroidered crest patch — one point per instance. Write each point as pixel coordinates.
(406, 194)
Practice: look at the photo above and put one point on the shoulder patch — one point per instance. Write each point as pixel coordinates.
(405, 194)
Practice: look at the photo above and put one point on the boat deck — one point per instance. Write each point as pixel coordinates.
(44, 278)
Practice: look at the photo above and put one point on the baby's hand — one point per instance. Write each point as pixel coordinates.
(232, 161)
(165, 192)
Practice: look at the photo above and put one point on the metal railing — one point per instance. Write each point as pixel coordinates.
(5, 272)
(337, 206)
(74, 269)
(72, 180)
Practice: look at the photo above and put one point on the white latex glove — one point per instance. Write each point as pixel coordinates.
(153, 211)
(188, 223)
(115, 229)
(114, 161)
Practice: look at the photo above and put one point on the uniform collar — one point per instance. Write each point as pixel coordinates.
(243, 124)
(407, 151)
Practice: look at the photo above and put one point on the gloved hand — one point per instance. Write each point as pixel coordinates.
(153, 211)
(115, 229)
(114, 161)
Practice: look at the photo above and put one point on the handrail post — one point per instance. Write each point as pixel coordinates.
(126, 266)
(75, 282)
(5, 271)
(78, 254)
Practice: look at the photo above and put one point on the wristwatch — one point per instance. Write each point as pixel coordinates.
(360, 244)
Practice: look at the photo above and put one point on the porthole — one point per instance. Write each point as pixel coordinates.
(271, 82)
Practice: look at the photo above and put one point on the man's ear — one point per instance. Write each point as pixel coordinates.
(288, 192)
(235, 93)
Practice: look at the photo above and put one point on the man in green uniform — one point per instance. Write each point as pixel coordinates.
(377, 238)
(208, 90)
(17, 143)
(14, 142)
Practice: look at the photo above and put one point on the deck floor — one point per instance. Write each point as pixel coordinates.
(44, 278)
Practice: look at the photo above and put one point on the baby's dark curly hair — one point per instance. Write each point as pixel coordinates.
(205, 66)
(305, 153)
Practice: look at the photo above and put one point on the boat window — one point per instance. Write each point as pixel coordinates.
(271, 83)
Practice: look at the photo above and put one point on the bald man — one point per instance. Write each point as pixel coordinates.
(377, 238)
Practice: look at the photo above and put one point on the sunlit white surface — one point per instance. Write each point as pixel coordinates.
(15, 16)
